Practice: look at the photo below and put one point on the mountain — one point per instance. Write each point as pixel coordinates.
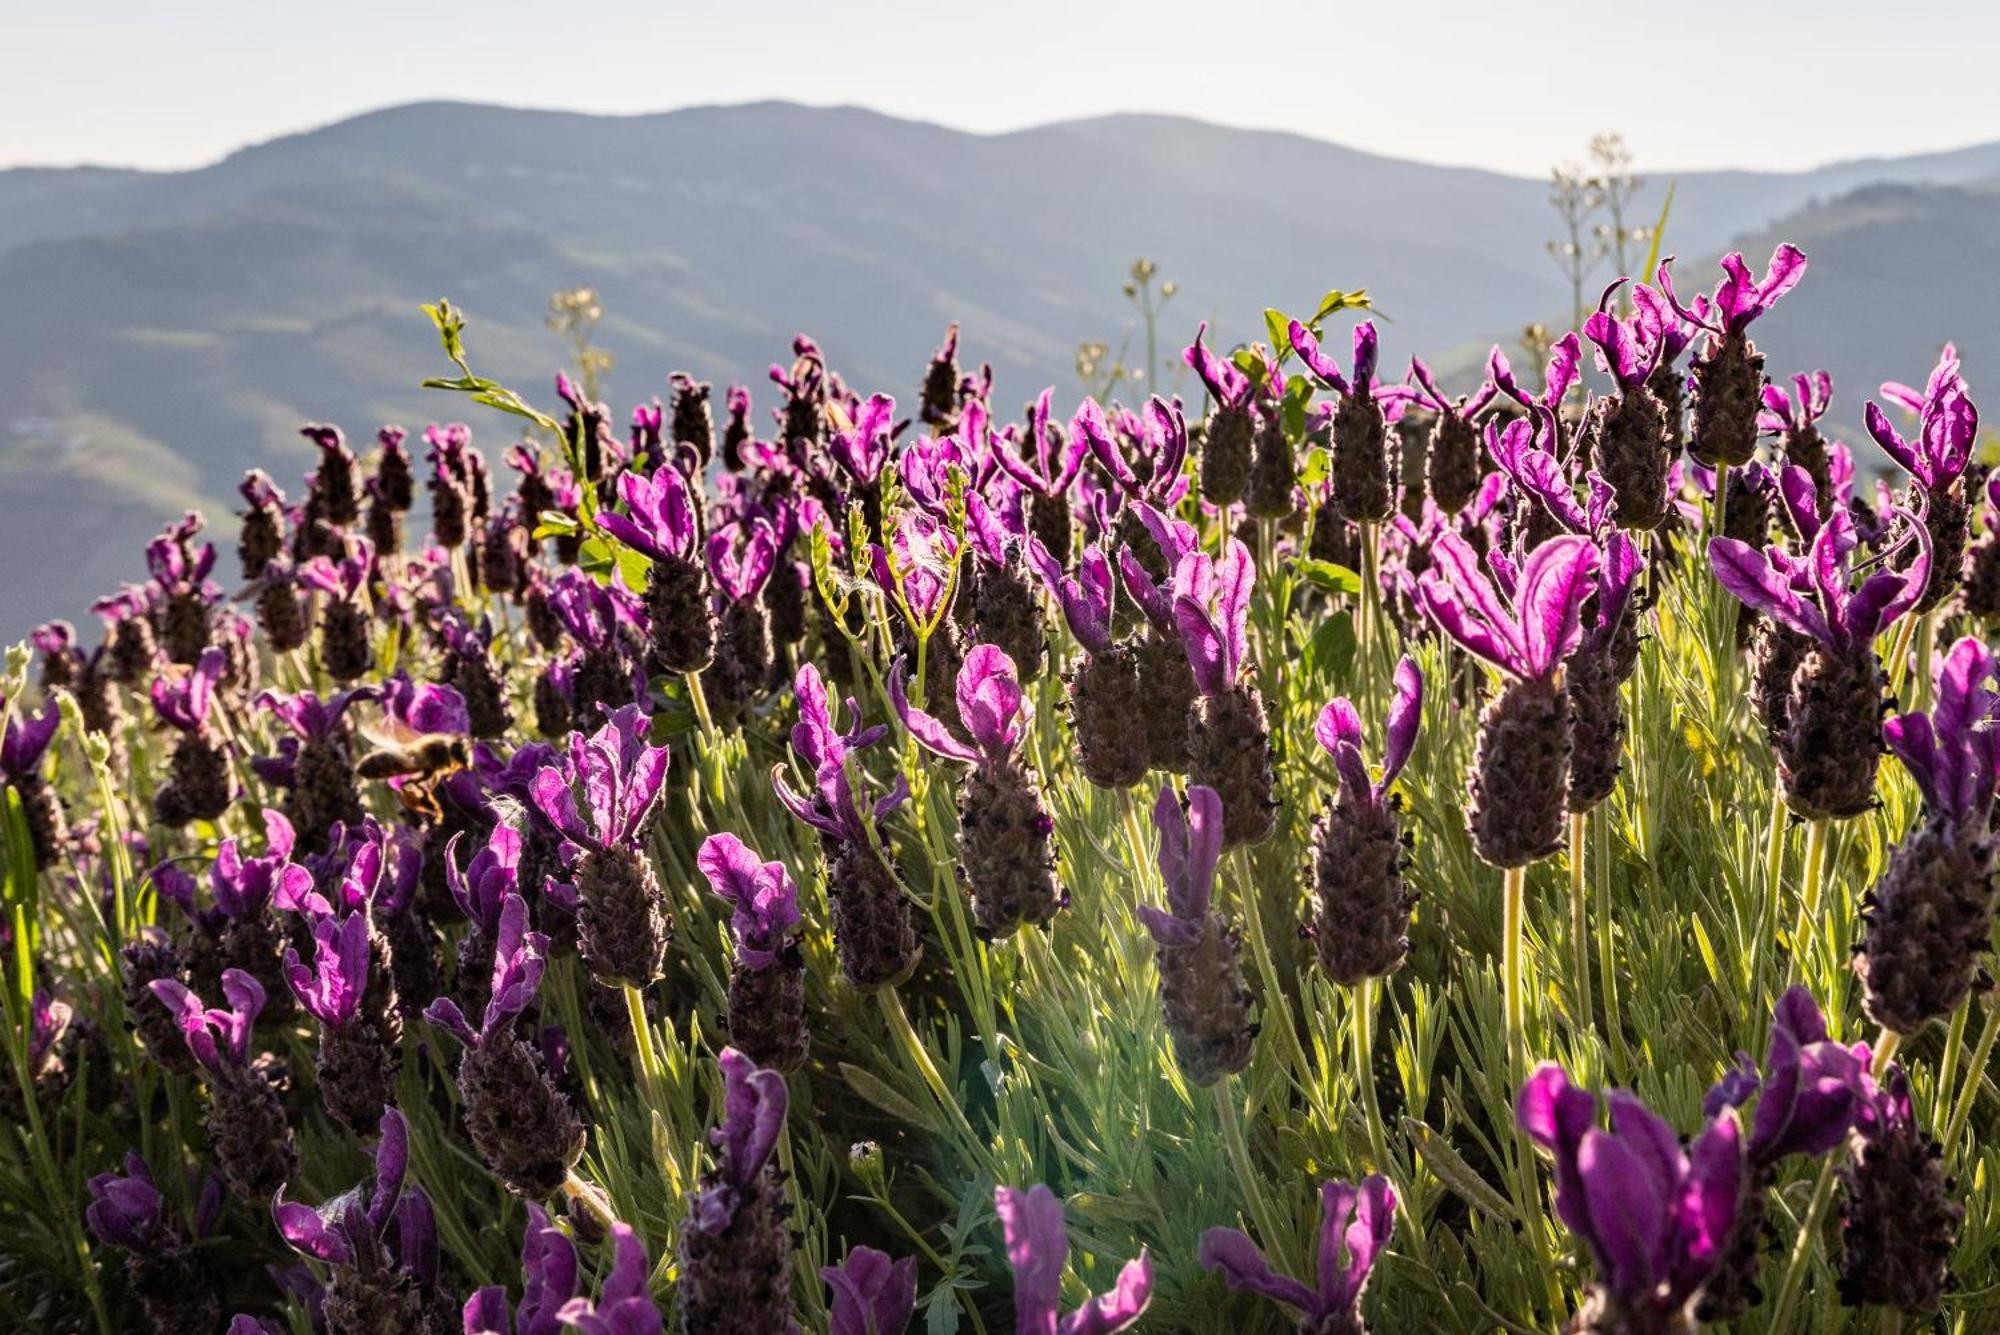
(162, 331)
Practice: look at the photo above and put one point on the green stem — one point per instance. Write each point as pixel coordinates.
(1364, 1000)
(1975, 1074)
(1273, 1237)
(1954, 1042)
(1773, 893)
(1513, 930)
(1809, 891)
(899, 1021)
(1607, 971)
(1899, 657)
(1802, 1247)
(642, 1035)
(698, 699)
(1579, 926)
(591, 1198)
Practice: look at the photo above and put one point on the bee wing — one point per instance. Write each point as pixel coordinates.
(390, 734)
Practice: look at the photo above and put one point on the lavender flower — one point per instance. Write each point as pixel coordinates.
(767, 992)
(246, 1121)
(741, 557)
(736, 1252)
(176, 1288)
(1520, 772)
(262, 540)
(198, 785)
(1628, 433)
(622, 921)
(871, 1294)
(1166, 678)
(336, 486)
(1229, 740)
(1929, 919)
(1007, 856)
(322, 788)
(1948, 423)
(1366, 458)
(1202, 993)
(1814, 1092)
(1232, 423)
(1826, 733)
(1046, 467)
(1655, 1217)
(663, 526)
(1558, 378)
(871, 916)
(23, 747)
(1728, 371)
(519, 1122)
(358, 1043)
(1454, 464)
(379, 1247)
(1159, 441)
(182, 596)
(345, 640)
(1354, 1226)
(1360, 903)
(1004, 608)
(1898, 1221)
(1793, 418)
(549, 1268)
(1038, 1251)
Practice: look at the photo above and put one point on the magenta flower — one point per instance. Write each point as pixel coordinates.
(389, 1226)
(663, 521)
(1953, 752)
(990, 701)
(1367, 354)
(1339, 733)
(344, 579)
(1176, 539)
(763, 895)
(1038, 1250)
(1741, 297)
(332, 989)
(825, 750)
(1212, 609)
(218, 1039)
(1815, 1090)
(549, 1282)
(624, 1305)
(127, 1211)
(754, 1102)
(918, 570)
(871, 1294)
(1527, 636)
(741, 558)
(519, 956)
(622, 776)
(862, 448)
(1190, 847)
(1948, 426)
(27, 741)
(1791, 414)
(1162, 441)
(481, 889)
(1561, 374)
(1629, 349)
(176, 565)
(1227, 385)
(1654, 1216)
(1085, 598)
(308, 716)
(1354, 1227)
(1812, 596)
(183, 699)
(1051, 470)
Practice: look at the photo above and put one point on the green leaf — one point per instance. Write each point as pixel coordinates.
(1659, 232)
(1456, 1173)
(555, 524)
(1279, 326)
(1316, 467)
(1330, 652)
(1248, 362)
(876, 1091)
(1326, 575)
(1336, 300)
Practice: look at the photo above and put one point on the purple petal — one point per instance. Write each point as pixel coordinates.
(1627, 1212)
(1747, 574)
(1557, 580)
(990, 700)
(929, 730)
(1118, 1309)
(1037, 1250)
(1406, 711)
(1244, 1268)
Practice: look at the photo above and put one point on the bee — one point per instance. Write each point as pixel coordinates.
(421, 760)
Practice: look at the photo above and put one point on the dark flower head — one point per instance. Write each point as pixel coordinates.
(1354, 1227)
(1038, 1251)
(663, 521)
(1212, 609)
(1339, 733)
(1814, 1091)
(259, 492)
(518, 959)
(622, 776)
(1654, 1216)
(1948, 425)
(763, 895)
(549, 1281)
(1190, 847)
(218, 1039)
(182, 698)
(1740, 297)
(1953, 752)
(990, 701)
(1811, 596)
(624, 1305)
(1528, 635)
(871, 1294)
(332, 989)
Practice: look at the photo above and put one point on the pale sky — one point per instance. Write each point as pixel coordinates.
(1692, 83)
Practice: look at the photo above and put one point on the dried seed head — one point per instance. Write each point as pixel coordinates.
(1927, 922)
(1006, 612)
(683, 627)
(621, 919)
(1274, 472)
(346, 650)
(520, 1124)
(1006, 852)
(249, 1134)
(1109, 709)
(1229, 750)
(767, 1011)
(1206, 1003)
(1728, 385)
(872, 926)
(1225, 455)
(1454, 462)
(1630, 449)
(1366, 462)
(1898, 1221)
(1831, 744)
(1360, 902)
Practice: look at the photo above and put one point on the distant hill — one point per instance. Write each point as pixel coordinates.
(160, 332)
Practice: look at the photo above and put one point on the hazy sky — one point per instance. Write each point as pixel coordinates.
(1693, 83)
